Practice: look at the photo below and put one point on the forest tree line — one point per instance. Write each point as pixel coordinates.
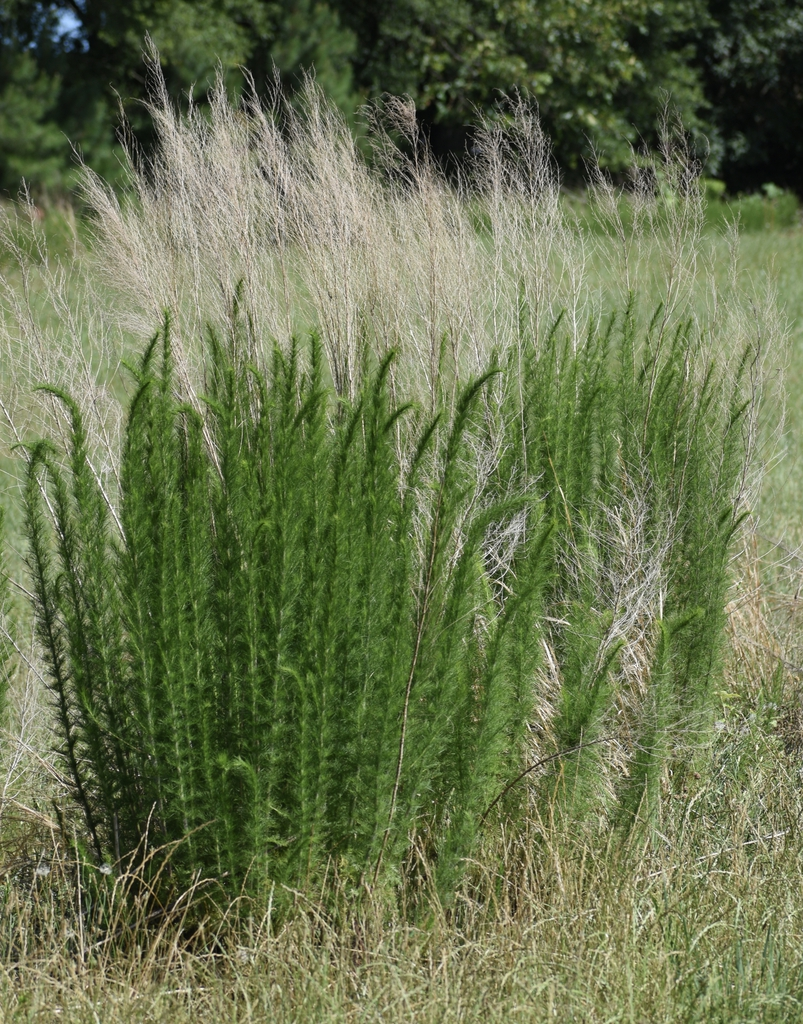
(600, 70)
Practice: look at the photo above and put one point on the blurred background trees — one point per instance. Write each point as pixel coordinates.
(601, 71)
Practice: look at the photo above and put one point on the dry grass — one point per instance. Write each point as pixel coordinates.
(700, 921)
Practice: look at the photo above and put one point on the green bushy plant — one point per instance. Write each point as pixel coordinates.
(291, 652)
(298, 647)
(639, 437)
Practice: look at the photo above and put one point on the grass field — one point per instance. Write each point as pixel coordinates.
(693, 911)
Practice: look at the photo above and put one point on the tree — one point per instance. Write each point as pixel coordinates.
(65, 66)
(599, 71)
(31, 144)
(751, 58)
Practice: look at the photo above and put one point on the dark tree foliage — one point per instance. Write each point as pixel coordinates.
(751, 58)
(30, 141)
(601, 72)
(65, 67)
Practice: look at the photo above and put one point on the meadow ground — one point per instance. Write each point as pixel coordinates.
(697, 918)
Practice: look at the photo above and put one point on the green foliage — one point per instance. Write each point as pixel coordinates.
(600, 72)
(297, 645)
(31, 144)
(769, 209)
(61, 81)
(292, 652)
(749, 56)
(638, 441)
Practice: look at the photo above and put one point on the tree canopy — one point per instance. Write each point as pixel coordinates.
(600, 70)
